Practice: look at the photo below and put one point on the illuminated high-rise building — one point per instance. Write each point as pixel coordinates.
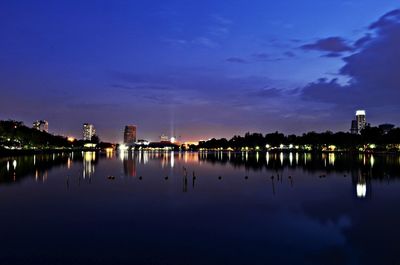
(88, 131)
(130, 134)
(41, 125)
(359, 123)
(354, 127)
(361, 120)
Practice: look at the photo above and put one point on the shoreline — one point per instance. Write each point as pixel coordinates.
(5, 152)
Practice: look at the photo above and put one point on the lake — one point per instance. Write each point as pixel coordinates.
(182, 208)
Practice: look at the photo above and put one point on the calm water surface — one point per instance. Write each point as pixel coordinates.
(199, 208)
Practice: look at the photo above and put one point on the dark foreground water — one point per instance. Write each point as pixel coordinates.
(240, 208)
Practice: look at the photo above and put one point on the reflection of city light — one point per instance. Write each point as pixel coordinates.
(281, 158)
(267, 158)
(297, 158)
(109, 152)
(88, 166)
(8, 165)
(372, 161)
(361, 190)
(257, 156)
(172, 159)
(291, 158)
(331, 159)
(15, 164)
(123, 147)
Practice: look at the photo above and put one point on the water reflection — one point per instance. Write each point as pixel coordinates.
(129, 160)
(271, 202)
(89, 161)
(362, 168)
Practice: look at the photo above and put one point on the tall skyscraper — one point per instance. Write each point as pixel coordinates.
(130, 134)
(88, 131)
(361, 120)
(359, 123)
(354, 127)
(41, 125)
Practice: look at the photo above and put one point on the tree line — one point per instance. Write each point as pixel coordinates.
(370, 137)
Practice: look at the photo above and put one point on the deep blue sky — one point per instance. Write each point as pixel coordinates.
(201, 68)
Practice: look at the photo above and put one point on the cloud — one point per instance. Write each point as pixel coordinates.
(386, 20)
(373, 71)
(222, 20)
(261, 56)
(236, 60)
(289, 54)
(332, 55)
(267, 92)
(144, 86)
(331, 44)
(205, 41)
(362, 41)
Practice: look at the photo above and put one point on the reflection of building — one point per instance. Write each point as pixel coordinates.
(88, 131)
(89, 159)
(41, 125)
(361, 183)
(130, 164)
(130, 135)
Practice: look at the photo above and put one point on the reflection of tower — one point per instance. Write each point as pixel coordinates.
(88, 164)
(130, 164)
(359, 180)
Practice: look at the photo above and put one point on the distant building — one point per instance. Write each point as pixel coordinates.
(386, 127)
(361, 120)
(354, 127)
(164, 138)
(88, 131)
(41, 125)
(130, 134)
(142, 142)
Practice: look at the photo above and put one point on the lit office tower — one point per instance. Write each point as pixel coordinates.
(130, 134)
(361, 120)
(354, 127)
(88, 131)
(41, 125)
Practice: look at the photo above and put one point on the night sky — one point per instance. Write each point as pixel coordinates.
(199, 69)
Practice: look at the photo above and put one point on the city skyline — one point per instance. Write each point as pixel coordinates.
(202, 70)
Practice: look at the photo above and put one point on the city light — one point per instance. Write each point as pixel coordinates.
(123, 147)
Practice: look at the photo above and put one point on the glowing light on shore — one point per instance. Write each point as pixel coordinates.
(123, 147)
